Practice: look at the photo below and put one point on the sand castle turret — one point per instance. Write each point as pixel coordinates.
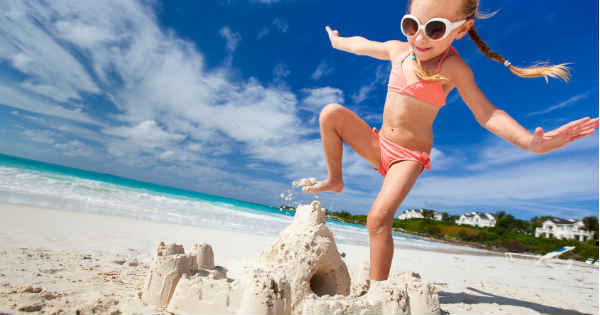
(302, 273)
(305, 254)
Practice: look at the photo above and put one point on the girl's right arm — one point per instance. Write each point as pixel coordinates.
(363, 47)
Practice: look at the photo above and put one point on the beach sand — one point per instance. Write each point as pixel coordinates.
(58, 262)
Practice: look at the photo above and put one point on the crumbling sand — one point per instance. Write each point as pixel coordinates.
(301, 273)
(305, 182)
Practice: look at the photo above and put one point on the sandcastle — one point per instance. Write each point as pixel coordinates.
(301, 274)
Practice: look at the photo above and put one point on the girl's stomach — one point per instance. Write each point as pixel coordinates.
(408, 122)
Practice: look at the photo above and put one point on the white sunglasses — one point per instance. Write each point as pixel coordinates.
(435, 29)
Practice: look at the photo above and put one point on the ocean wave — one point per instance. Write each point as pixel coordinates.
(66, 192)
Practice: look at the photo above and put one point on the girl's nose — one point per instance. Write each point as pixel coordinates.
(420, 36)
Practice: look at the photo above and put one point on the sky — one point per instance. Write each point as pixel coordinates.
(223, 97)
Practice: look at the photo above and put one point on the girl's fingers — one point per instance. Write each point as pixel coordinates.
(581, 136)
(580, 120)
(588, 130)
(587, 133)
(573, 124)
(591, 123)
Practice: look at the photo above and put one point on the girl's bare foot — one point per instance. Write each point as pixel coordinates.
(335, 186)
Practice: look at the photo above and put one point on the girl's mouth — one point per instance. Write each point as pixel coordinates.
(422, 49)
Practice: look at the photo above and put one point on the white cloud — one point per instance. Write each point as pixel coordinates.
(265, 1)
(232, 39)
(522, 183)
(146, 134)
(163, 82)
(24, 40)
(263, 32)
(40, 136)
(84, 32)
(376, 117)
(560, 105)
(323, 69)
(49, 91)
(499, 152)
(364, 92)
(278, 24)
(71, 148)
(439, 160)
(281, 25)
(76, 148)
(281, 71)
(16, 97)
(317, 98)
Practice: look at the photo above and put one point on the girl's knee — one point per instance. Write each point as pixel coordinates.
(328, 112)
(378, 223)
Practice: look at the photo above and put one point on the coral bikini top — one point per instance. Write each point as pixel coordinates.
(430, 92)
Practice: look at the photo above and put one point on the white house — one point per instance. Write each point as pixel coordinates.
(569, 229)
(418, 214)
(477, 219)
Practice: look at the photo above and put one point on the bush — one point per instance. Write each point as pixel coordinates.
(513, 245)
(433, 230)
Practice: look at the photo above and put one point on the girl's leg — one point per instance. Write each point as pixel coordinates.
(341, 124)
(397, 183)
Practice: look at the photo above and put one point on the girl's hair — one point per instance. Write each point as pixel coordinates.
(470, 9)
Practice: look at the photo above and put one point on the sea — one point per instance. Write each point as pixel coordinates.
(38, 184)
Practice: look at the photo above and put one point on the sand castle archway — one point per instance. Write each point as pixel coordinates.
(302, 273)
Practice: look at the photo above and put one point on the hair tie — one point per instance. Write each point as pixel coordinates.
(507, 63)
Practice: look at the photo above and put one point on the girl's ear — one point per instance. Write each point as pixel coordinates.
(465, 28)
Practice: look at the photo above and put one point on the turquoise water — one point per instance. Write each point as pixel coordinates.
(50, 169)
(39, 184)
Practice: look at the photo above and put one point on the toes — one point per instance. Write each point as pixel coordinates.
(309, 189)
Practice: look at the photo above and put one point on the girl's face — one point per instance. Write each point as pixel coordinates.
(425, 10)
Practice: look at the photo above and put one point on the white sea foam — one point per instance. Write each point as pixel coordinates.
(65, 192)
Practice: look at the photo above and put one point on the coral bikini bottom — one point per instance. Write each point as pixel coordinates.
(392, 153)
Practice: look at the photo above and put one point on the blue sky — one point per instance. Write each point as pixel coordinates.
(223, 97)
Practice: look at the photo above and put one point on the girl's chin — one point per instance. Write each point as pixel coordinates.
(423, 56)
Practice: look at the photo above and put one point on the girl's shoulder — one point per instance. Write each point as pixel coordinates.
(455, 67)
(397, 48)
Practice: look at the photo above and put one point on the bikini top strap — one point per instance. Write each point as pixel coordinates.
(439, 66)
(404, 55)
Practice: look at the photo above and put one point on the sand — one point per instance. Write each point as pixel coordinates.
(59, 262)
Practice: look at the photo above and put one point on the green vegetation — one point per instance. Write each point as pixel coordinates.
(509, 234)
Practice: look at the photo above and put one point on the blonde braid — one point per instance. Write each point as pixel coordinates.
(470, 9)
(539, 70)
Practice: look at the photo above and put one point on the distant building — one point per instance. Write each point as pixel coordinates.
(418, 214)
(568, 229)
(477, 219)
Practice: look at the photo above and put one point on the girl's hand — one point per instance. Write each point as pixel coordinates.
(546, 142)
(333, 35)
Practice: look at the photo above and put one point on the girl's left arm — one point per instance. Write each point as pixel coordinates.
(501, 124)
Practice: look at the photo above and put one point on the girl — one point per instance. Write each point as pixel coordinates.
(424, 70)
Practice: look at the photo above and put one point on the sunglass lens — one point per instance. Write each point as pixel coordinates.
(409, 26)
(435, 29)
